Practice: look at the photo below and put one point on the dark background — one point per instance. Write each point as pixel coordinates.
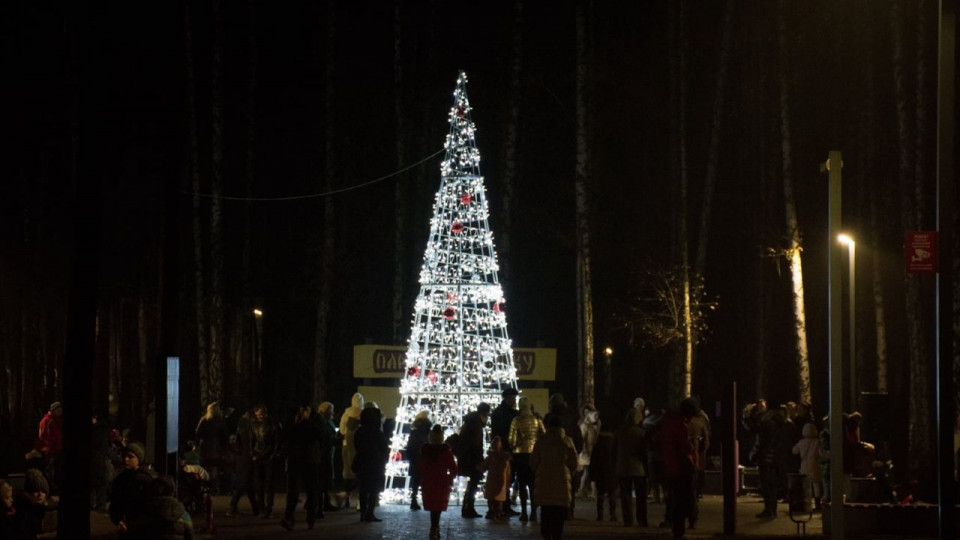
(106, 85)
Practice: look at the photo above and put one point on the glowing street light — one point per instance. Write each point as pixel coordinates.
(257, 313)
(608, 355)
(852, 260)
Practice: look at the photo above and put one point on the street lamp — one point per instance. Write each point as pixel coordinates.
(258, 337)
(852, 261)
(608, 354)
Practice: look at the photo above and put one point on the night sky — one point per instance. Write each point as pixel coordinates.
(108, 85)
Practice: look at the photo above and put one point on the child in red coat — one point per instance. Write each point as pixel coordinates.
(438, 470)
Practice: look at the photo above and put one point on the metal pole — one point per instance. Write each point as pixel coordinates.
(946, 213)
(731, 466)
(852, 333)
(835, 269)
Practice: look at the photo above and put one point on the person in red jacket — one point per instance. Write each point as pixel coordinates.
(680, 464)
(437, 470)
(50, 441)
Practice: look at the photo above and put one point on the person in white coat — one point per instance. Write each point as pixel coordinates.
(349, 424)
(808, 448)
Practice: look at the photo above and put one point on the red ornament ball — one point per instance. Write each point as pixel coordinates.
(500, 307)
(457, 227)
(432, 376)
(396, 456)
(461, 111)
(466, 199)
(450, 313)
(413, 371)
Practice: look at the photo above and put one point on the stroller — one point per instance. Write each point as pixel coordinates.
(196, 494)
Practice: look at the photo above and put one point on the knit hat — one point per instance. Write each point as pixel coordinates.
(483, 408)
(639, 404)
(35, 482)
(136, 449)
(525, 404)
(422, 415)
(436, 434)
(324, 408)
(509, 392)
(55, 405)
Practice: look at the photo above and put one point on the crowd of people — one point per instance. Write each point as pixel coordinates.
(544, 463)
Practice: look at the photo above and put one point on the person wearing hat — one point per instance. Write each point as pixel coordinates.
(568, 419)
(419, 433)
(500, 421)
(328, 442)
(50, 441)
(680, 464)
(525, 429)
(128, 490)
(471, 454)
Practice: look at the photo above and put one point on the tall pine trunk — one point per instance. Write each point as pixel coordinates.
(511, 140)
(217, 335)
(321, 346)
(792, 227)
(193, 160)
(581, 186)
(399, 191)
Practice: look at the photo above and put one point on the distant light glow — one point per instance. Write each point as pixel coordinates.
(845, 240)
(257, 313)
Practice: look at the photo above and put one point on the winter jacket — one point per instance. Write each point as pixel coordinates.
(630, 448)
(328, 441)
(497, 465)
(213, 441)
(809, 451)
(303, 442)
(370, 462)
(569, 422)
(26, 518)
(700, 436)
(525, 429)
(589, 431)
(602, 467)
(164, 518)
(679, 454)
(438, 470)
(500, 420)
(471, 444)
(349, 424)
(265, 438)
(128, 495)
(554, 460)
(419, 432)
(50, 434)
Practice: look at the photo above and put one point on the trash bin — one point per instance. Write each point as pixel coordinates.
(799, 494)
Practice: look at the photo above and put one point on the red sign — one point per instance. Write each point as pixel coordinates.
(921, 252)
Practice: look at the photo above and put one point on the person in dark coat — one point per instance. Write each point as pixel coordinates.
(371, 461)
(129, 489)
(265, 445)
(680, 464)
(164, 517)
(8, 513)
(328, 443)
(242, 444)
(213, 442)
(101, 463)
(603, 473)
(303, 464)
(630, 457)
(471, 454)
(419, 433)
(568, 420)
(23, 512)
(500, 420)
(438, 470)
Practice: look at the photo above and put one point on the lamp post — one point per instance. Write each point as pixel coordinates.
(608, 355)
(852, 263)
(258, 338)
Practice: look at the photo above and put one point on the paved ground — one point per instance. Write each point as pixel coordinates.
(401, 524)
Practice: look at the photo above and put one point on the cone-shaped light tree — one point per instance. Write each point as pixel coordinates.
(459, 353)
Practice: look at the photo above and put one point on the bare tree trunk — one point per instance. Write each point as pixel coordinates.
(793, 231)
(242, 356)
(584, 279)
(321, 346)
(511, 140)
(686, 359)
(913, 216)
(399, 199)
(217, 349)
(141, 405)
(199, 289)
(713, 150)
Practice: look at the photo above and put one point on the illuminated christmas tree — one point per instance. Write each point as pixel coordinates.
(459, 352)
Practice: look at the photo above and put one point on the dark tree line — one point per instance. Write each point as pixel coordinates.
(694, 116)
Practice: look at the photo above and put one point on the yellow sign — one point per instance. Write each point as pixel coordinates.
(389, 362)
(388, 397)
